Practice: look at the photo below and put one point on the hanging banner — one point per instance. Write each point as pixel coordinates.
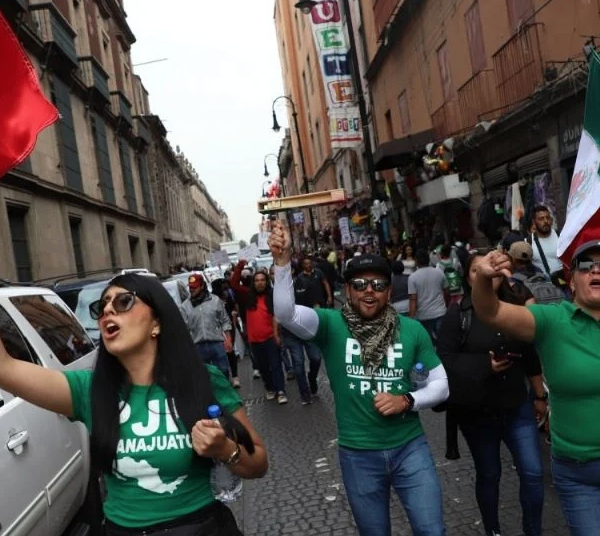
(346, 236)
(330, 40)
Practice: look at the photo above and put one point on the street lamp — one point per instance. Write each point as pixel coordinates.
(306, 7)
(277, 128)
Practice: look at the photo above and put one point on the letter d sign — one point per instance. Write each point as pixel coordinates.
(326, 11)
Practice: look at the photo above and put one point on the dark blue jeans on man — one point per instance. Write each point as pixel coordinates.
(268, 359)
(296, 346)
(518, 429)
(369, 476)
(213, 353)
(578, 487)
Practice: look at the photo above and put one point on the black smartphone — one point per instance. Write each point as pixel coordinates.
(511, 356)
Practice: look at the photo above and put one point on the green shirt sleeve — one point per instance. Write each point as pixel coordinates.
(225, 394)
(80, 383)
(323, 330)
(541, 319)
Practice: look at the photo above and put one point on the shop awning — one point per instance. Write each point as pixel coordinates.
(443, 189)
(399, 151)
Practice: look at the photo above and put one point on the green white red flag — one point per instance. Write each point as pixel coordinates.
(24, 109)
(583, 209)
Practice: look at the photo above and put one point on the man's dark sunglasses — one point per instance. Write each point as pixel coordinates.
(585, 265)
(361, 283)
(121, 303)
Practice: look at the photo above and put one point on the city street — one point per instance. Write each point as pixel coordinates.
(303, 494)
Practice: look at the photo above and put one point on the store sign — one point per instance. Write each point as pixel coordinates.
(334, 59)
(570, 126)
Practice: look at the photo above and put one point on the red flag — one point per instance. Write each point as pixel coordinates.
(24, 109)
(590, 232)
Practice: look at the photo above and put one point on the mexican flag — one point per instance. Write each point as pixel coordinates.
(583, 208)
(24, 109)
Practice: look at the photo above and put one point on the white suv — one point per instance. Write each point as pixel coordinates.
(44, 457)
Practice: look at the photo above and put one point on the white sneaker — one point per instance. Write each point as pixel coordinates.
(270, 395)
(236, 382)
(256, 374)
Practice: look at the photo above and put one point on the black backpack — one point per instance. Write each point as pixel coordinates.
(543, 290)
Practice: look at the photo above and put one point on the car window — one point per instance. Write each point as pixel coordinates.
(87, 295)
(13, 340)
(56, 324)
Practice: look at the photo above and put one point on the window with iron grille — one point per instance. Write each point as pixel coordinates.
(445, 75)
(404, 111)
(67, 138)
(125, 158)
(75, 228)
(110, 235)
(475, 37)
(102, 159)
(18, 234)
(142, 164)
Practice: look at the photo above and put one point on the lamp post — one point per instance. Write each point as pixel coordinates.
(277, 128)
(306, 6)
(282, 184)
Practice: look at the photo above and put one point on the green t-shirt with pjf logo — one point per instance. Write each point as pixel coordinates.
(360, 425)
(155, 480)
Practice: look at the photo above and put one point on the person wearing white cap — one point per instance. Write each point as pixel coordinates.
(567, 335)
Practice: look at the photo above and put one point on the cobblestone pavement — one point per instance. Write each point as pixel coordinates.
(303, 493)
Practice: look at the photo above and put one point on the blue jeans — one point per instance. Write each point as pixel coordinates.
(214, 353)
(370, 474)
(578, 487)
(518, 429)
(268, 359)
(296, 346)
(432, 325)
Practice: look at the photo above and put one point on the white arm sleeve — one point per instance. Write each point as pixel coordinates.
(435, 392)
(301, 321)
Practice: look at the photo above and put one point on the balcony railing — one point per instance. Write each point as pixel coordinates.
(519, 68)
(447, 119)
(54, 29)
(140, 129)
(121, 107)
(478, 96)
(94, 76)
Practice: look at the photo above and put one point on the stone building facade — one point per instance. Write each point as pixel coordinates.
(85, 200)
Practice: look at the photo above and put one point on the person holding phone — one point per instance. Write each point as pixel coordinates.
(490, 403)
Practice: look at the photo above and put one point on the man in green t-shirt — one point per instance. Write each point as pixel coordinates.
(369, 352)
(568, 337)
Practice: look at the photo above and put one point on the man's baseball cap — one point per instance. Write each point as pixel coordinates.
(521, 251)
(367, 263)
(195, 281)
(585, 247)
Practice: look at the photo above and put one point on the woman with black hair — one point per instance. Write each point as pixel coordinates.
(145, 405)
(489, 400)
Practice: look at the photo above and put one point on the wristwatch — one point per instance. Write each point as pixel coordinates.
(410, 402)
(235, 457)
(542, 398)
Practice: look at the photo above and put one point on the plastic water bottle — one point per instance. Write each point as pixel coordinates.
(226, 486)
(418, 376)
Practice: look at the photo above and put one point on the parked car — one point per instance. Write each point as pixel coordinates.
(45, 487)
(178, 290)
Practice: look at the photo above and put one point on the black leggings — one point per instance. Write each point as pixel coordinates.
(219, 522)
(233, 364)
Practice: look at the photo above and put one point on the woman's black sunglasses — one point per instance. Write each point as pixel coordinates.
(361, 283)
(121, 303)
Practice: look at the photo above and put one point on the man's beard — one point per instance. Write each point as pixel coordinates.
(260, 291)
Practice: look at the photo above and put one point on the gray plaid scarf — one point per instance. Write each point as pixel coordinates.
(375, 336)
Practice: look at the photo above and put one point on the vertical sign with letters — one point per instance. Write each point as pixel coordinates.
(330, 40)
